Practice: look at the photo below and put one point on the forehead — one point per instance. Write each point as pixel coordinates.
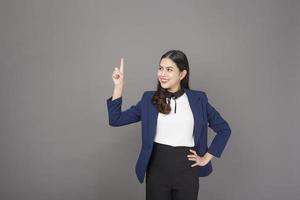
(167, 62)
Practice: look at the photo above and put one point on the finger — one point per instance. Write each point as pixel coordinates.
(194, 159)
(122, 65)
(115, 70)
(115, 76)
(118, 72)
(190, 156)
(194, 152)
(193, 165)
(115, 73)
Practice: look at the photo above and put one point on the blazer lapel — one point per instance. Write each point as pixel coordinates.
(196, 107)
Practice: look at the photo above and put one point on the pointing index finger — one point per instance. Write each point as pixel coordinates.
(122, 65)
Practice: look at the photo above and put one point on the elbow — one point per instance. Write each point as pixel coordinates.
(225, 131)
(228, 129)
(113, 123)
(228, 132)
(113, 120)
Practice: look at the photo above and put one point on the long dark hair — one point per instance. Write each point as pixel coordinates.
(159, 97)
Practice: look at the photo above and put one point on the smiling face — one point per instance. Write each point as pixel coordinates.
(169, 75)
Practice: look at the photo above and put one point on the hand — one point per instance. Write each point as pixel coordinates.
(118, 74)
(201, 161)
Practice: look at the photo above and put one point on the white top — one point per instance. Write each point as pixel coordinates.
(176, 129)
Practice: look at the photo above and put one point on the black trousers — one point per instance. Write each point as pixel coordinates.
(169, 174)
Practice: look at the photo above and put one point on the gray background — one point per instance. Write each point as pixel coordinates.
(56, 62)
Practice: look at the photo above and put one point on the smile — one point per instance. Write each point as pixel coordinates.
(164, 80)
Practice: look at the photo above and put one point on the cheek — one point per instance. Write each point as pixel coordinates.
(172, 77)
(158, 74)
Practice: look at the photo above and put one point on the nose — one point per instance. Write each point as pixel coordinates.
(163, 73)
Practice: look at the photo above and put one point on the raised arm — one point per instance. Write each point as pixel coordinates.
(117, 117)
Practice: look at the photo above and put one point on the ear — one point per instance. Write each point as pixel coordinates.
(183, 74)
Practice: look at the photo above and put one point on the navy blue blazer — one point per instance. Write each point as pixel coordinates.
(205, 115)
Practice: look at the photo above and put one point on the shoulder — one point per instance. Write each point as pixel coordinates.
(149, 92)
(200, 93)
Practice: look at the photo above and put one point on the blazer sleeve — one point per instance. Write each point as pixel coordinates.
(117, 117)
(220, 127)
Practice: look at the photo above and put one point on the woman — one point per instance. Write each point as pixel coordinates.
(174, 118)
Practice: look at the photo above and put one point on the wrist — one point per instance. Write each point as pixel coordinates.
(208, 156)
(118, 86)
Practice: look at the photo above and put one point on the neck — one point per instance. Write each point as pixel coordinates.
(174, 95)
(174, 89)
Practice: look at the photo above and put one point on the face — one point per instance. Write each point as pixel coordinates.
(169, 75)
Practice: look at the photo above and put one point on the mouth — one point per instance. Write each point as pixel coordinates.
(163, 80)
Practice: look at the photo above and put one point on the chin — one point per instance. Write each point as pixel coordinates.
(164, 86)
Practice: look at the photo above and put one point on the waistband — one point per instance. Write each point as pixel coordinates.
(165, 147)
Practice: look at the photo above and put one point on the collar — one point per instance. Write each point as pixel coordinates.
(174, 95)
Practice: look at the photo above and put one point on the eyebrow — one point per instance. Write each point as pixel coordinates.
(166, 66)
